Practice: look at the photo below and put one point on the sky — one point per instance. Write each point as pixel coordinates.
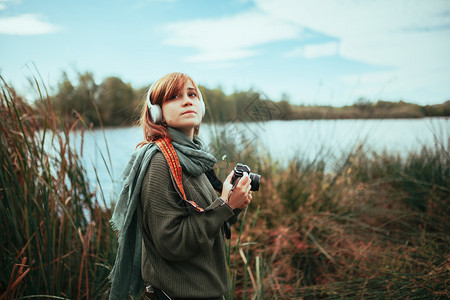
(321, 52)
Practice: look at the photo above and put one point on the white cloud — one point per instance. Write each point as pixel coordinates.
(409, 38)
(379, 32)
(315, 50)
(346, 18)
(229, 38)
(3, 3)
(26, 24)
(421, 49)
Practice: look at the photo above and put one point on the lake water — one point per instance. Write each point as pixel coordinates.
(284, 140)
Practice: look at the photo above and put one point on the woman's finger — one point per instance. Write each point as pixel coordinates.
(244, 180)
(229, 176)
(249, 189)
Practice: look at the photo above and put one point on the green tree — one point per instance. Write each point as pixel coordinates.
(116, 102)
(218, 108)
(77, 99)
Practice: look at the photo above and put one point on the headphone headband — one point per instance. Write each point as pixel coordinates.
(149, 103)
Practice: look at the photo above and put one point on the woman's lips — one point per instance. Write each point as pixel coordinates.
(189, 112)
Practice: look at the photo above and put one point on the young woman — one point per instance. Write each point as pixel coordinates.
(165, 242)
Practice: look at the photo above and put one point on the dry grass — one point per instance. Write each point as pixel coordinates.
(376, 227)
(56, 238)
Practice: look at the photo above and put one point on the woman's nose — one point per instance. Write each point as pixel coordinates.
(187, 101)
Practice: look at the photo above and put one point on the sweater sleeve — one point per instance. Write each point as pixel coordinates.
(235, 217)
(177, 231)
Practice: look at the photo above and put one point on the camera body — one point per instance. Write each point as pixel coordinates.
(239, 172)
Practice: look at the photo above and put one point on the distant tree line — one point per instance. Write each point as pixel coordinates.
(116, 103)
(364, 109)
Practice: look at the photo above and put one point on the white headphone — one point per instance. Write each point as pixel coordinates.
(155, 110)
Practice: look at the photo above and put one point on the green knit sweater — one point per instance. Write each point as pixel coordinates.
(183, 251)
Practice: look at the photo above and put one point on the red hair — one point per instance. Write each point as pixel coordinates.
(162, 90)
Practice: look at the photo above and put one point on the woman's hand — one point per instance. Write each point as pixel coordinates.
(240, 196)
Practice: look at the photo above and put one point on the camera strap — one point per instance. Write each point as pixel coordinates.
(171, 156)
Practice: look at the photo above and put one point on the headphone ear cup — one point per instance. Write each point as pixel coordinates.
(154, 110)
(203, 108)
(200, 96)
(155, 113)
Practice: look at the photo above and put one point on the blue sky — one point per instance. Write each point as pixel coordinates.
(321, 52)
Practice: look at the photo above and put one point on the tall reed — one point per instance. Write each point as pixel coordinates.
(374, 227)
(56, 239)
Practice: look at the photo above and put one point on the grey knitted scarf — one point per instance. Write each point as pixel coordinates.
(126, 278)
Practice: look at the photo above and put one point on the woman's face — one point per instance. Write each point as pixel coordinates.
(184, 111)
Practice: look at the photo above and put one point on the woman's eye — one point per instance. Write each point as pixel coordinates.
(194, 95)
(174, 97)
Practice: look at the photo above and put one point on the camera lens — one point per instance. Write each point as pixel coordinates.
(256, 178)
